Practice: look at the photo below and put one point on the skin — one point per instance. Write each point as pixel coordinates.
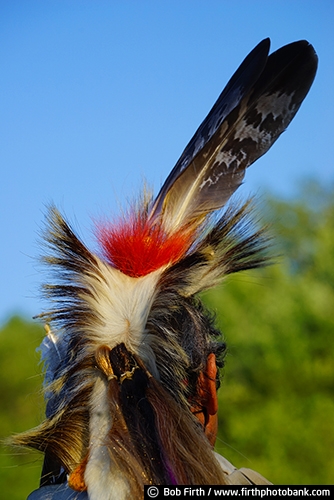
(207, 412)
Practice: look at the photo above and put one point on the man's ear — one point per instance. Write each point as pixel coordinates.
(207, 390)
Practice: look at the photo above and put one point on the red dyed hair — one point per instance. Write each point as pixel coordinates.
(137, 247)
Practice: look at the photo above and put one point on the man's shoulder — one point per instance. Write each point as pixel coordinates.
(240, 476)
(57, 492)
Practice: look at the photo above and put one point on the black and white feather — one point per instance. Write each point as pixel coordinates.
(255, 107)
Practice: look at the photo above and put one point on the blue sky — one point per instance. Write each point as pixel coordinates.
(98, 95)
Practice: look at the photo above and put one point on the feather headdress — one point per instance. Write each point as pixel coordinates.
(128, 338)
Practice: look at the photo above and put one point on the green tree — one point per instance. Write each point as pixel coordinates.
(277, 397)
(21, 406)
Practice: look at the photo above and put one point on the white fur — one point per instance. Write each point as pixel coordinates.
(102, 477)
(121, 305)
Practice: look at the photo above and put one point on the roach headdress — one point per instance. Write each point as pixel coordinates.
(128, 337)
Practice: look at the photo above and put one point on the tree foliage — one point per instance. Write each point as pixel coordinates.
(277, 397)
(21, 405)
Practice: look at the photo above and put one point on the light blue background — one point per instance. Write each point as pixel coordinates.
(96, 96)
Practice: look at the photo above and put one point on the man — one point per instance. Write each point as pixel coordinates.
(132, 356)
